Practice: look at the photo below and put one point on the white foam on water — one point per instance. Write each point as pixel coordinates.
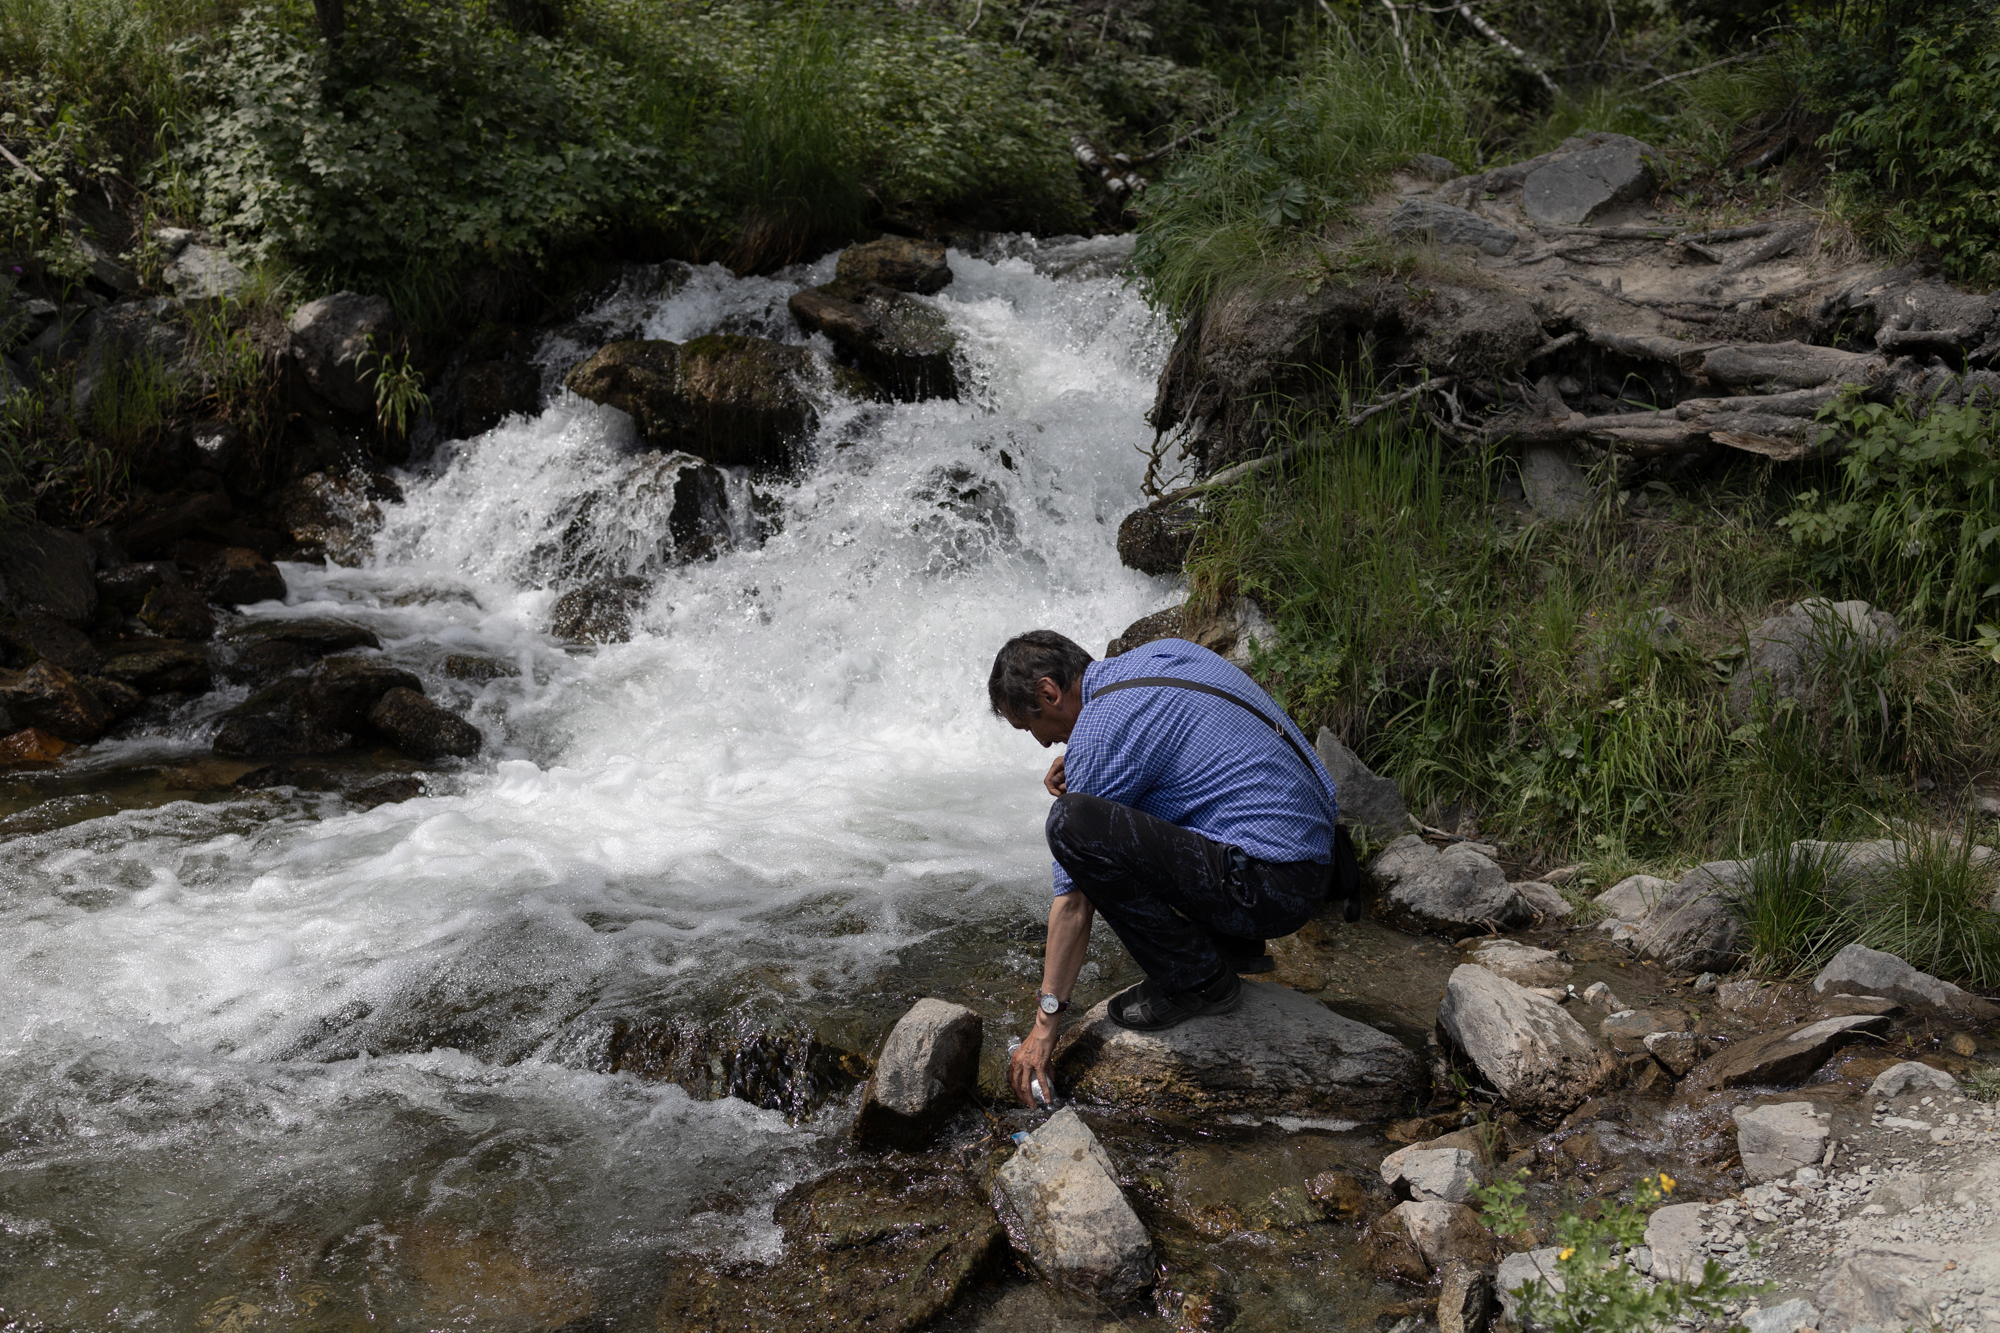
(789, 774)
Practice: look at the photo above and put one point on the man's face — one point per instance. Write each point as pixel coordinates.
(1057, 719)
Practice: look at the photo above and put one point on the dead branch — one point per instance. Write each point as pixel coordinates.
(1703, 69)
(1499, 39)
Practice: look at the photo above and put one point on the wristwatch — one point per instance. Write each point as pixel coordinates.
(1049, 1004)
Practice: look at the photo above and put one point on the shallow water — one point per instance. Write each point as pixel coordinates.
(269, 1059)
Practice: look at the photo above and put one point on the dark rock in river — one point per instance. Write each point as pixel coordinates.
(344, 690)
(599, 612)
(35, 638)
(1156, 541)
(928, 1067)
(335, 513)
(870, 1247)
(239, 576)
(151, 527)
(176, 611)
(1279, 1053)
(272, 722)
(167, 668)
(422, 729)
(390, 791)
(265, 648)
(727, 398)
(333, 341)
(122, 590)
(46, 571)
(895, 339)
(896, 261)
(491, 391)
(49, 698)
(1789, 1055)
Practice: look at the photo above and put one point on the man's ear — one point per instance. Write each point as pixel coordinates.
(1048, 692)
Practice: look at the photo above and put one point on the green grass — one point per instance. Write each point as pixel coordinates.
(1795, 913)
(1280, 180)
(1476, 657)
(1933, 909)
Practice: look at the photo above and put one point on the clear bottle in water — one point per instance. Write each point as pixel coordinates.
(1042, 1099)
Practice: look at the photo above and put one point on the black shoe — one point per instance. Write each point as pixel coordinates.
(1244, 957)
(1147, 1008)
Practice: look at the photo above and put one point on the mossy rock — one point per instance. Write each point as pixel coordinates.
(726, 398)
(898, 341)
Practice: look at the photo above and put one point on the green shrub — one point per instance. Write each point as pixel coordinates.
(1933, 909)
(1914, 93)
(1275, 185)
(1915, 521)
(429, 136)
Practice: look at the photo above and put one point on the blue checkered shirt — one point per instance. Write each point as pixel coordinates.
(1198, 761)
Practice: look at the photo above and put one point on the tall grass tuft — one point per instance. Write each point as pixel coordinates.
(1934, 909)
(796, 172)
(1793, 908)
(1282, 177)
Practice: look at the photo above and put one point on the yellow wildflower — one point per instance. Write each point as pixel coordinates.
(1666, 1183)
(1567, 1252)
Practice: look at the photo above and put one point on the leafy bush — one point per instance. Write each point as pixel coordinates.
(1281, 178)
(427, 136)
(1915, 98)
(1915, 523)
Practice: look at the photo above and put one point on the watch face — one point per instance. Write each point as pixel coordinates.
(1050, 1004)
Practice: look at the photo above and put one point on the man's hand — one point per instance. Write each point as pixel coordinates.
(1031, 1061)
(1054, 781)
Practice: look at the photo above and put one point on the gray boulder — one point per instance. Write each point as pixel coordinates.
(1374, 803)
(1794, 1316)
(1556, 488)
(902, 343)
(1775, 1141)
(1883, 1286)
(331, 339)
(1691, 927)
(1859, 970)
(1445, 1233)
(1447, 1175)
(204, 273)
(1546, 899)
(1600, 170)
(1456, 892)
(1279, 1053)
(1674, 1234)
(1807, 643)
(1517, 1271)
(1632, 897)
(1522, 964)
(928, 1067)
(1445, 225)
(1533, 1054)
(1059, 1200)
(1897, 1080)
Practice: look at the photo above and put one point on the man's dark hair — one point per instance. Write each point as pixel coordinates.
(1025, 659)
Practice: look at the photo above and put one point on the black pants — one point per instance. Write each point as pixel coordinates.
(1183, 906)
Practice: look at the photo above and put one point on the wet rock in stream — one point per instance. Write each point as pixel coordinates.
(1059, 1198)
(929, 1065)
(1279, 1053)
(897, 340)
(1536, 1056)
(872, 1247)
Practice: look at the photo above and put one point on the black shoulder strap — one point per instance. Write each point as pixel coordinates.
(1346, 866)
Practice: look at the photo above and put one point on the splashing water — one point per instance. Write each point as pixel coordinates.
(334, 1063)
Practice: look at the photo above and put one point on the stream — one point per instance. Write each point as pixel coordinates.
(272, 1060)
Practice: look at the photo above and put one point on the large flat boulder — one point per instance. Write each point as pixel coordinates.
(929, 1066)
(1444, 224)
(1691, 928)
(900, 342)
(50, 699)
(1455, 892)
(1058, 1198)
(896, 262)
(1592, 173)
(1532, 1053)
(1522, 964)
(1775, 1141)
(1789, 1055)
(1859, 970)
(730, 399)
(1372, 802)
(1279, 1053)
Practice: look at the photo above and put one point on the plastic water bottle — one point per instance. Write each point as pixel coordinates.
(1034, 1084)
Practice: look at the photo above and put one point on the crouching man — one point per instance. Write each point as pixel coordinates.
(1189, 812)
